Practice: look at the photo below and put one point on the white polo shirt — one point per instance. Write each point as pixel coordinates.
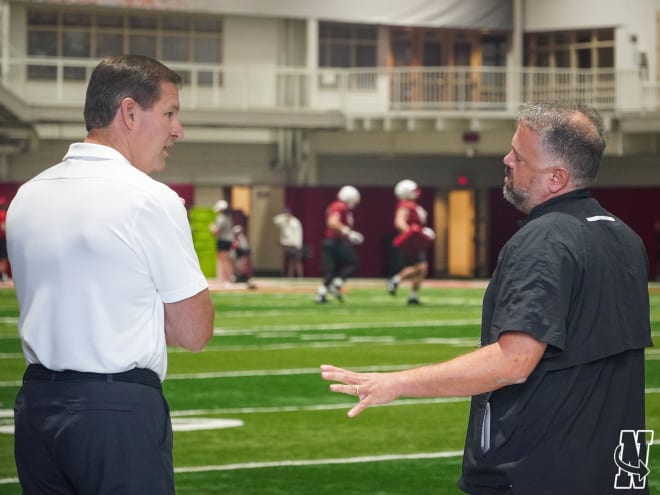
(291, 233)
(96, 247)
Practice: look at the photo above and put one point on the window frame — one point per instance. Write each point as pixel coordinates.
(156, 26)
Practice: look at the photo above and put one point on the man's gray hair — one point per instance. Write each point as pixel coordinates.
(571, 132)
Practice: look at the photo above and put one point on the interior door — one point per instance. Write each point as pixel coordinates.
(461, 232)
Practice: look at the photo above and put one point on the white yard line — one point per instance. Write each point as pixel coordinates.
(308, 462)
(347, 326)
(318, 462)
(305, 462)
(282, 372)
(321, 343)
(302, 462)
(316, 407)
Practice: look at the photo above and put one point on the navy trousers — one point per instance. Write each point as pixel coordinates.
(93, 434)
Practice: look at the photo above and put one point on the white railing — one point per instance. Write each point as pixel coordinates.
(61, 82)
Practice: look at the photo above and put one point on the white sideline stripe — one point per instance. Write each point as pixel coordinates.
(346, 326)
(445, 301)
(306, 341)
(329, 407)
(178, 424)
(317, 462)
(456, 341)
(281, 372)
(318, 407)
(248, 373)
(9, 413)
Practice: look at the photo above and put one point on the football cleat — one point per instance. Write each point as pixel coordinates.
(392, 286)
(335, 290)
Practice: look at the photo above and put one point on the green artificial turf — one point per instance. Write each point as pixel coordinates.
(262, 368)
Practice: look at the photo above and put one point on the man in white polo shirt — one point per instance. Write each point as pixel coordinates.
(106, 276)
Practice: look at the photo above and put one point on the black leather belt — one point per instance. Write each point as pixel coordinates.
(38, 372)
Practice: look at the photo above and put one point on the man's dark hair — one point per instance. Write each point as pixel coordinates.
(571, 132)
(124, 76)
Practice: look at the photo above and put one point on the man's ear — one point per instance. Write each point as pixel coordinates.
(128, 108)
(559, 179)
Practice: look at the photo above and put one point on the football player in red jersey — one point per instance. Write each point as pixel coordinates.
(410, 218)
(338, 257)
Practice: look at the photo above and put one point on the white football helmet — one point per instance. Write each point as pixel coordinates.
(406, 189)
(349, 195)
(220, 205)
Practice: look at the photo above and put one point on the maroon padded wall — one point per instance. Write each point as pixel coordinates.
(639, 207)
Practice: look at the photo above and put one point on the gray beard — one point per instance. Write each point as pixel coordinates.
(517, 199)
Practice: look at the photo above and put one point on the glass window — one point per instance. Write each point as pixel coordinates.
(584, 49)
(141, 22)
(42, 18)
(175, 23)
(347, 45)
(207, 25)
(606, 57)
(563, 59)
(42, 43)
(365, 56)
(108, 44)
(175, 48)
(143, 44)
(542, 40)
(75, 44)
(76, 19)
(88, 34)
(584, 59)
(115, 21)
(605, 35)
(340, 31)
(493, 51)
(367, 33)
(432, 54)
(583, 37)
(340, 56)
(206, 50)
(563, 38)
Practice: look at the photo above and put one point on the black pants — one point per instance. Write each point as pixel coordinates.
(338, 259)
(93, 434)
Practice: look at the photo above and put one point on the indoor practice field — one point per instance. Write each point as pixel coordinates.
(253, 417)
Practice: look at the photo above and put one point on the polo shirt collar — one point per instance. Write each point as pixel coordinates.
(93, 151)
(550, 204)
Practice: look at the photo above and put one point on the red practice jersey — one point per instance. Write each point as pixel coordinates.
(416, 214)
(345, 216)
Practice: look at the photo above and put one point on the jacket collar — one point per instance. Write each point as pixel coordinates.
(551, 204)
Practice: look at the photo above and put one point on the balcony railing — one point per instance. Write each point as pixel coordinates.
(61, 82)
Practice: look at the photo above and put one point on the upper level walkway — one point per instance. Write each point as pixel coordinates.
(52, 90)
